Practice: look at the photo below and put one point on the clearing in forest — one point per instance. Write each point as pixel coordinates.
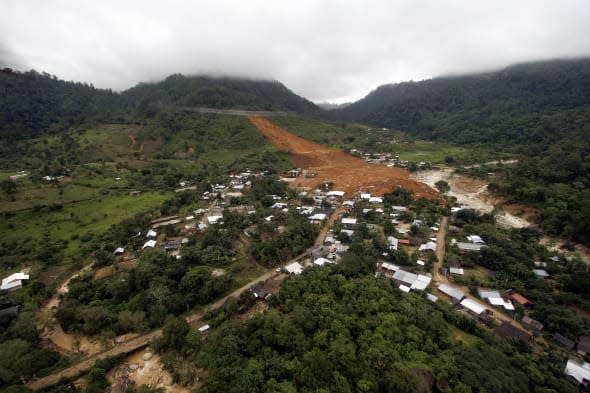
(348, 173)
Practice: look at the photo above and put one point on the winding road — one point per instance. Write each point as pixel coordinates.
(194, 319)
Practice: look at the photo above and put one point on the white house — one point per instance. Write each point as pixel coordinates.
(337, 194)
(214, 219)
(322, 261)
(294, 268)
(14, 281)
(430, 246)
(393, 242)
(473, 306)
(348, 221)
(457, 271)
(475, 239)
(151, 233)
(318, 217)
(453, 293)
(580, 372)
(149, 244)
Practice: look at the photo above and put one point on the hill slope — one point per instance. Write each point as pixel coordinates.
(532, 103)
(32, 103)
(205, 91)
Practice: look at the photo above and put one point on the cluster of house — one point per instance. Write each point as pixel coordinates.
(297, 172)
(380, 158)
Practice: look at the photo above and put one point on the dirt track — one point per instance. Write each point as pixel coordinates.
(348, 173)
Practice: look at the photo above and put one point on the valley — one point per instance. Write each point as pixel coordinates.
(217, 234)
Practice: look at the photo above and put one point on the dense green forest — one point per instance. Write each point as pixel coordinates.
(33, 103)
(205, 91)
(526, 104)
(338, 330)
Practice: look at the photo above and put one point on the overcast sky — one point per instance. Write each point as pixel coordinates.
(323, 50)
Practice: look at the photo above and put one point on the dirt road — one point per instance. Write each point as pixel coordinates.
(441, 279)
(144, 340)
(348, 173)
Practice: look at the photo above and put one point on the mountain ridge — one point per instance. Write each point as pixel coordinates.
(478, 108)
(33, 103)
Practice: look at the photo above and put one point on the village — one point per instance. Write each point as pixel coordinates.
(417, 232)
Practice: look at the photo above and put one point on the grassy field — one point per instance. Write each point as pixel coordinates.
(347, 136)
(76, 221)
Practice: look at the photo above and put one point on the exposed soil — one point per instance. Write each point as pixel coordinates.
(137, 371)
(348, 173)
(471, 192)
(53, 336)
(474, 193)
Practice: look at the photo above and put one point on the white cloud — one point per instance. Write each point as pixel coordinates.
(323, 50)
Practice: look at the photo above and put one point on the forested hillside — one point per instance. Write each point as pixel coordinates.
(205, 91)
(528, 104)
(32, 103)
(538, 110)
(337, 330)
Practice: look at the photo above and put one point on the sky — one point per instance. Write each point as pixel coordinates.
(326, 51)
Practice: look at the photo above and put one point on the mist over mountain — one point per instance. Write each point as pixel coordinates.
(530, 102)
(33, 103)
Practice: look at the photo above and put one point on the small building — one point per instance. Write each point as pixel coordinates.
(348, 204)
(456, 295)
(149, 244)
(119, 251)
(403, 277)
(564, 341)
(375, 200)
(14, 281)
(474, 308)
(348, 222)
(508, 331)
(458, 271)
(204, 328)
(9, 312)
(317, 217)
(215, 219)
(430, 246)
(465, 247)
(322, 261)
(431, 297)
(294, 268)
(422, 282)
(531, 324)
(389, 266)
(365, 196)
(475, 239)
(578, 372)
(151, 234)
(335, 194)
(540, 273)
(583, 345)
(518, 298)
(393, 242)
